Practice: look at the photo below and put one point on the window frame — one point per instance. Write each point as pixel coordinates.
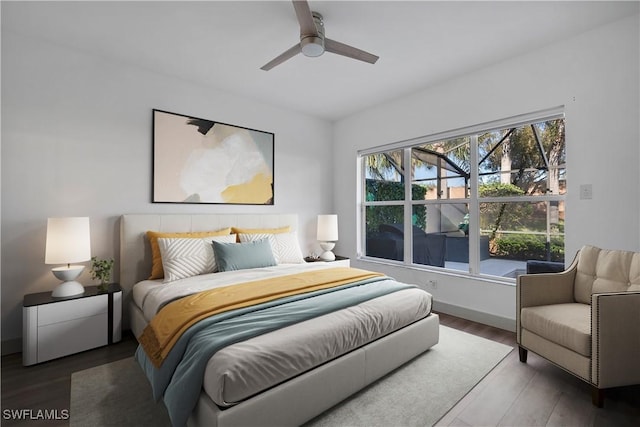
(473, 201)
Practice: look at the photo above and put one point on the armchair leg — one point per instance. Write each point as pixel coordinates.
(522, 352)
(597, 396)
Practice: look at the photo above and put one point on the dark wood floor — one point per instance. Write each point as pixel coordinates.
(512, 394)
(47, 386)
(537, 393)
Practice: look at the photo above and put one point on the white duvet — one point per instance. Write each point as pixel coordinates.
(242, 370)
(151, 295)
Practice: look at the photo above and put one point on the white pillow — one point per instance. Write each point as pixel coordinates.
(285, 246)
(185, 257)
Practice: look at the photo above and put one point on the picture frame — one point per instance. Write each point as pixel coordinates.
(204, 161)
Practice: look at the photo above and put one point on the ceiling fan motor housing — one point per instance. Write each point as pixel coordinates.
(313, 45)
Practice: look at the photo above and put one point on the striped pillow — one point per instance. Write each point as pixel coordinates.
(285, 246)
(187, 257)
(156, 267)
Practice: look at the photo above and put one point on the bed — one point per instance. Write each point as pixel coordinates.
(315, 379)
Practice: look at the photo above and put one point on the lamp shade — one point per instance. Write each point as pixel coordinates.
(68, 240)
(327, 228)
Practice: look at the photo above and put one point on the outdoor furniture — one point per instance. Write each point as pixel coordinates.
(458, 247)
(535, 267)
(586, 319)
(385, 245)
(388, 243)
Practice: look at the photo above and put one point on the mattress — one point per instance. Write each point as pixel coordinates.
(244, 369)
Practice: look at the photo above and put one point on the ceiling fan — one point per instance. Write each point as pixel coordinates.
(313, 42)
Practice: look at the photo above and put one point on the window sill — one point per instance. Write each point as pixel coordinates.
(508, 281)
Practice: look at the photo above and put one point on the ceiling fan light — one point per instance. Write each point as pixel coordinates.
(313, 42)
(312, 46)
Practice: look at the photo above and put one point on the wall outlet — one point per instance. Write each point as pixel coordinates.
(433, 284)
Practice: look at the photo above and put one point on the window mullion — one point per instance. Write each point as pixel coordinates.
(474, 208)
(408, 207)
(361, 245)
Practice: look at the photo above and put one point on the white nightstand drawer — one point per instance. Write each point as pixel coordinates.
(64, 311)
(62, 338)
(54, 327)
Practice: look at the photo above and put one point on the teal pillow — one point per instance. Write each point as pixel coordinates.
(239, 256)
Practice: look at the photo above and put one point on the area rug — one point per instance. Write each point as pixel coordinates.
(417, 394)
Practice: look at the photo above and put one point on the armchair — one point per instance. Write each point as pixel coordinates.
(585, 319)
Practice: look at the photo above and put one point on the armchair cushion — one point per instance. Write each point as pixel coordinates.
(603, 270)
(568, 325)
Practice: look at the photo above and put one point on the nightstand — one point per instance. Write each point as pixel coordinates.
(340, 261)
(57, 327)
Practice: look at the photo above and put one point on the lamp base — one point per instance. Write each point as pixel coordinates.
(68, 273)
(68, 289)
(327, 255)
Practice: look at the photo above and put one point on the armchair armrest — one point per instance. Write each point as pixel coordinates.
(545, 288)
(615, 339)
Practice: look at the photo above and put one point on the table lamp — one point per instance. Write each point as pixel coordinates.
(327, 235)
(68, 241)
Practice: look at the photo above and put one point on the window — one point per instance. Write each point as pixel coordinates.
(425, 205)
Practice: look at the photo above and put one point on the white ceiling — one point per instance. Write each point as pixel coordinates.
(224, 44)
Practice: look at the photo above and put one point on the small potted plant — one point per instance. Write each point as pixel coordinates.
(101, 270)
(464, 225)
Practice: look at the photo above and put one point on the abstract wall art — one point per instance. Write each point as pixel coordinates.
(203, 161)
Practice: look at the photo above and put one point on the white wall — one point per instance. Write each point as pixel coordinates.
(595, 76)
(77, 141)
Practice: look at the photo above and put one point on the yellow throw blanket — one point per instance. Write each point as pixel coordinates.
(175, 318)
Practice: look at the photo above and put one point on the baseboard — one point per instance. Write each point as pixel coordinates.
(11, 346)
(476, 316)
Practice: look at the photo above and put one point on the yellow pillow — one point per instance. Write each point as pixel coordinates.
(157, 272)
(279, 230)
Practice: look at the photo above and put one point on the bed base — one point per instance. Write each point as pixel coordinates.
(137, 322)
(308, 395)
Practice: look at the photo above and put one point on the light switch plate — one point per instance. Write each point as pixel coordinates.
(586, 192)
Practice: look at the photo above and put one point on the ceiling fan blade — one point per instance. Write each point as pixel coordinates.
(305, 18)
(349, 51)
(290, 53)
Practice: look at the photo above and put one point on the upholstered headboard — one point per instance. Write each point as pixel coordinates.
(135, 252)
